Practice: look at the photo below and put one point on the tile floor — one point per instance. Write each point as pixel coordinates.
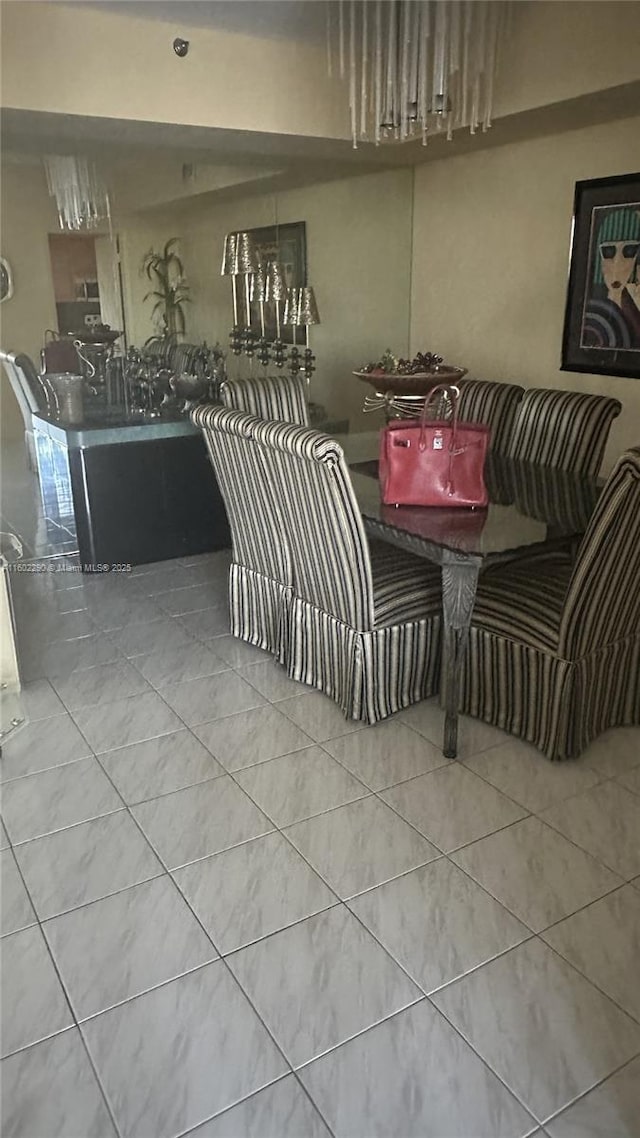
(229, 913)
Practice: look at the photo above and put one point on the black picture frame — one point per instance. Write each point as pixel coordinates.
(287, 244)
(602, 316)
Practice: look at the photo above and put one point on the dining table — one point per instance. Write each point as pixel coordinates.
(532, 508)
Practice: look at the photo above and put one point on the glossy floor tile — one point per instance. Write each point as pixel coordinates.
(197, 701)
(437, 923)
(247, 892)
(52, 800)
(159, 766)
(318, 716)
(527, 776)
(603, 942)
(125, 721)
(38, 700)
(360, 845)
(282, 1110)
(412, 1076)
(272, 681)
(102, 684)
(178, 664)
(605, 821)
(535, 872)
(200, 820)
(386, 754)
(116, 948)
(427, 717)
(252, 737)
(40, 745)
(140, 639)
(17, 910)
(299, 785)
(33, 1002)
(611, 1110)
(342, 872)
(540, 1026)
(85, 862)
(196, 1046)
(451, 806)
(320, 982)
(51, 1090)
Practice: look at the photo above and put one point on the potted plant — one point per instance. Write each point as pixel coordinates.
(171, 292)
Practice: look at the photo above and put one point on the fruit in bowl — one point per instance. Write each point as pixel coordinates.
(409, 377)
(388, 364)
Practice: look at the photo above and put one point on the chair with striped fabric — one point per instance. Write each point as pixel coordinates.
(365, 622)
(274, 397)
(554, 656)
(260, 579)
(483, 401)
(568, 429)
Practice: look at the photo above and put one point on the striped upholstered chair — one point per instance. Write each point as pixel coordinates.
(260, 579)
(365, 622)
(274, 397)
(483, 401)
(568, 429)
(555, 657)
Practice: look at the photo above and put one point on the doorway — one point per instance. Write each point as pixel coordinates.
(86, 282)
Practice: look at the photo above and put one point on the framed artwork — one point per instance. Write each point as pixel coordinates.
(6, 280)
(288, 245)
(602, 316)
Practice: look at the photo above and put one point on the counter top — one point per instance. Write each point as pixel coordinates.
(105, 426)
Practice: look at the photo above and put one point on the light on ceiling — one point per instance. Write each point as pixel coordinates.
(81, 196)
(415, 66)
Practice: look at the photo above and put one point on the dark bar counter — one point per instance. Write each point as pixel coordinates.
(133, 488)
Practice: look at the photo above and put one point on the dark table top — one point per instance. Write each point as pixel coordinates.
(529, 505)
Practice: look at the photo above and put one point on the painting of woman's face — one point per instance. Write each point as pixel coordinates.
(618, 261)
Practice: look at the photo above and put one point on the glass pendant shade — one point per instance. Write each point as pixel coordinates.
(81, 196)
(413, 66)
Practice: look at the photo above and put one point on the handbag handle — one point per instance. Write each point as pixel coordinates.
(452, 393)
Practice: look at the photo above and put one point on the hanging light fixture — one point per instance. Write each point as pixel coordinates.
(416, 65)
(81, 196)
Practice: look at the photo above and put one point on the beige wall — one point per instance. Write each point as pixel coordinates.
(80, 59)
(358, 254)
(126, 69)
(28, 216)
(490, 260)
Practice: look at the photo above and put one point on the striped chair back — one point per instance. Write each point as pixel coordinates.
(257, 533)
(483, 401)
(603, 599)
(329, 548)
(568, 429)
(279, 397)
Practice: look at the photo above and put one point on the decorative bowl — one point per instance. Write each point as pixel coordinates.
(418, 384)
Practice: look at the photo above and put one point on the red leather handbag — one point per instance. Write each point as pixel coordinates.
(426, 462)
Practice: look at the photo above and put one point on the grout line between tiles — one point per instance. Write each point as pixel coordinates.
(68, 1000)
(583, 1094)
(211, 643)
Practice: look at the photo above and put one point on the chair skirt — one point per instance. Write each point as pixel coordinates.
(370, 675)
(558, 705)
(259, 610)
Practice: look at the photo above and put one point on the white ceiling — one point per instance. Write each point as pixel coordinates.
(280, 19)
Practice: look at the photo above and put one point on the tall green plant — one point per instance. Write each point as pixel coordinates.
(165, 270)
